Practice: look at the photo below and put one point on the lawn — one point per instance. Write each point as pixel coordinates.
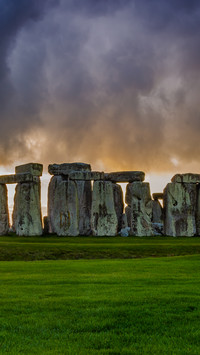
(132, 306)
(54, 248)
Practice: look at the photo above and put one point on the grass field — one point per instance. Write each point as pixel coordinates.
(54, 248)
(141, 306)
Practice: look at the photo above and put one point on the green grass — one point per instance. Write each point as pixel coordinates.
(53, 248)
(142, 306)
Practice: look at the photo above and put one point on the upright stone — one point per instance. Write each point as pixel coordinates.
(4, 219)
(118, 202)
(198, 211)
(27, 218)
(157, 211)
(139, 209)
(180, 200)
(104, 217)
(84, 191)
(63, 207)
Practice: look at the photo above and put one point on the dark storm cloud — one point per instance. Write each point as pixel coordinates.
(102, 81)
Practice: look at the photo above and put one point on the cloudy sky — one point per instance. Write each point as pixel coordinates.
(114, 83)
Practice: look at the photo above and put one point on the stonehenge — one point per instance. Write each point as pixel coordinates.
(82, 202)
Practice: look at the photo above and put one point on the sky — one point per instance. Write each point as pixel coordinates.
(113, 83)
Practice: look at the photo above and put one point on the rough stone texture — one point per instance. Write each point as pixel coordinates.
(158, 196)
(157, 212)
(31, 168)
(124, 220)
(180, 209)
(17, 178)
(198, 211)
(118, 202)
(186, 178)
(63, 207)
(84, 191)
(139, 209)
(66, 168)
(158, 228)
(104, 217)
(27, 218)
(46, 225)
(4, 218)
(86, 175)
(125, 176)
(124, 232)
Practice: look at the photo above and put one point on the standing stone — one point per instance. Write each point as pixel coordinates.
(180, 200)
(118, 202)
(84, 191)
(198, 211)
(4, 217)
(27, 218)
(157, 212)
(63, 207)
(139, 209)
(104, 217)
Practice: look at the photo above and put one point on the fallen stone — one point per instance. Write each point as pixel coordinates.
(125, 176)
(139, 209)
(18, 178)
(186, 178)
(86, 175)
(179, 204)
(157, 212)
(63, 207)
(124, 232)
(27, 218)
(31, 168)
(104, 217)
(84, 191)
(119, 204)
(66, 168)
(4, 217)
(158, 196)
(158, 228)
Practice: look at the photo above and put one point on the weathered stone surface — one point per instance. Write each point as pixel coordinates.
(84, 191)
(124, 232)
(86, 175)
(198, 211)
(63, 207)
(104, 217)
(139, 209)
(119, 204)
(179, 204)
(46, 225)
(125, 176)
(31, 168)
(27, 219)
(67, 168)
(158, 228)
(158, 196)
(18, 178)
(4, 218)
(157, 212)
(186, 178)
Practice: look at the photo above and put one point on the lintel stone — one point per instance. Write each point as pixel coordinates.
(125, 176)
(66, 168)
(86, 175)
(158, 196)
(18, 178)
(188, 178)
(31, 168)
